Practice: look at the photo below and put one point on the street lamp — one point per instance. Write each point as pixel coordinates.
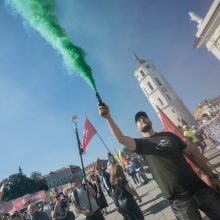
(74, 118)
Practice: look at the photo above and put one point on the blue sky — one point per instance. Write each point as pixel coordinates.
(38, 97)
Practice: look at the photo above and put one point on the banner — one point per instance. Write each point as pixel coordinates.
(24, 201)
(6, 207)
(212, 130)
(88, 132)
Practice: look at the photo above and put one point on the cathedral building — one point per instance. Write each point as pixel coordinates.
(208, 29)
(160, 93)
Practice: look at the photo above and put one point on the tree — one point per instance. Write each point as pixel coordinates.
(41, 184)
(18, 185)
(35, 175)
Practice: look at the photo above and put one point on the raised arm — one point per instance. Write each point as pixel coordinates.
(117, 133)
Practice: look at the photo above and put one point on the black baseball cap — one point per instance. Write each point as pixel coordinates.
(139, 114)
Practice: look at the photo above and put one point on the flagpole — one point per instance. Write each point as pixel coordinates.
(103, 142)
(80, 154)
(100, 138)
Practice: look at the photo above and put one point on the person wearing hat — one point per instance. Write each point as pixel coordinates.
(164, 153)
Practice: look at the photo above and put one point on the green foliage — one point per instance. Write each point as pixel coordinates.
(18, 185)
(35, 175)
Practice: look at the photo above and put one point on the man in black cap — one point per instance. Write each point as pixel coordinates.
(164, 152)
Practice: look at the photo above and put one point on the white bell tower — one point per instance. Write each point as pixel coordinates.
(160, 93)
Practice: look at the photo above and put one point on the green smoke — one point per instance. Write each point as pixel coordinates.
(39, 15)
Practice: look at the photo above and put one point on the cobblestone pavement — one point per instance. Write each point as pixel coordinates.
(154, 206)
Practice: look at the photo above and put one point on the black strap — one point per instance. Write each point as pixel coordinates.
(76, 198)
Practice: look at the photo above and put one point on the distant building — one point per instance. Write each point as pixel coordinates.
(160, 93)
(62, 176)
(209, 106)
(90, 169)
(208, 33)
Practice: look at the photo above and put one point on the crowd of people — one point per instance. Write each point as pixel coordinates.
(88, 197)
(164, 153)
(57, 208)
(207, 128)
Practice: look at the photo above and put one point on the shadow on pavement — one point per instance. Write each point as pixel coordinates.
(158, 207)
(216, 165)
(149, 201)
(110, 203)
(111, 211)
(144, 195)
(211, 148)
(213, 156)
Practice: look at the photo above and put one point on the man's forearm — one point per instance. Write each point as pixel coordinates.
(117, 133)
(115, 130)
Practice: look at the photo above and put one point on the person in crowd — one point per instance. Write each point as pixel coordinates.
(40, 206)
(190, 136)
(15, 215)
(105, 181)
(5, 216)
(112, 165)
(34, 214)
(100, 197)
(121, 202)
(205, 117)
(132, 172)
(84, 201)
(123, 196)
(25, 215)
(140, 171)
(61, 210)
(47, 208)
(199, 134)
(164, 152)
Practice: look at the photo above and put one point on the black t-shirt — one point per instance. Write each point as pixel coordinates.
(120, 190)
(164, 154)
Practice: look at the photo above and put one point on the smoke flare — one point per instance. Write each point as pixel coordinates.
(39, 15)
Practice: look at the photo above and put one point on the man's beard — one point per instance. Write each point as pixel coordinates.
(146, 128)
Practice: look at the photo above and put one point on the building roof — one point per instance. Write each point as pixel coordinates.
(208, 25)
(59, 170)
(94, 163)
(137, 59)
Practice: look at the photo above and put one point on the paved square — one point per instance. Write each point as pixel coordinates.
(154, 206)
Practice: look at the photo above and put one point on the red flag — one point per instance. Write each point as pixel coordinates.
(170, 126)
(88, 132)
